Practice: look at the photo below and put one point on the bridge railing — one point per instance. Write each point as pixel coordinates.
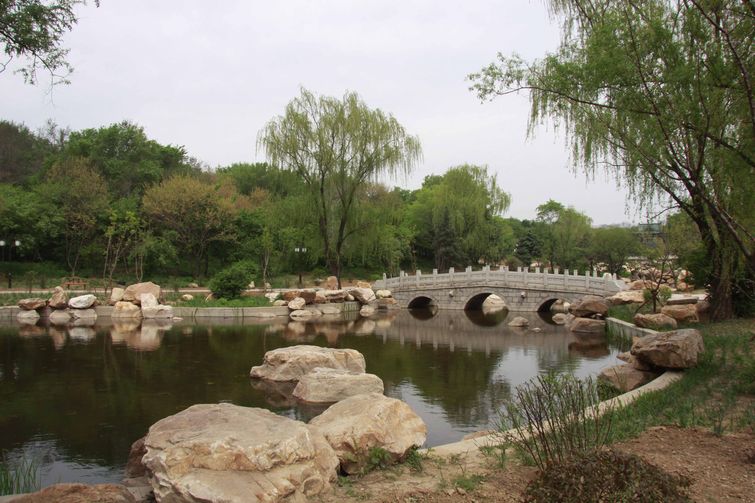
(520, 278)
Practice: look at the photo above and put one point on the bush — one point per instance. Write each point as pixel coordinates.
(554, 418)
(606, 476)
(231, 281)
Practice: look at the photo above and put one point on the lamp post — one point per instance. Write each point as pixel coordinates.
(300, 251)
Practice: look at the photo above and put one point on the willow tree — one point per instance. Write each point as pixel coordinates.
(660, 93)
(336, 146)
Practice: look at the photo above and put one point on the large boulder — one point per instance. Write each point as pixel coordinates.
(363, 295)
(588, 326)
(83, 314)
(590, 306)
(82, 301)
(32, 304)
(684, 313)
(79, 493)
(657, 321)
(324, 385)
(334, 296)
(58, 299)
(303, 314)
(626, 377)
(160, 311)
(291, 363)
(626, 297)
(678, 349)
(356, 425)
(223, 452)
(134, 466)
(133, 292)
(124, 309)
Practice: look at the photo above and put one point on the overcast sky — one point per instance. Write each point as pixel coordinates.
(209, 75)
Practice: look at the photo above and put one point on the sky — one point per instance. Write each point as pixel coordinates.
(209, 75)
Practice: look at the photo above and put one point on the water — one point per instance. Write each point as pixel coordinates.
(75, 399)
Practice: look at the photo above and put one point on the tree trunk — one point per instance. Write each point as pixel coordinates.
(722, 274)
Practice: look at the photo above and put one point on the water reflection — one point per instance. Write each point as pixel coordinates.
(93, 390)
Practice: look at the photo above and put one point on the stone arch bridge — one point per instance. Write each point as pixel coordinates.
(521, 290)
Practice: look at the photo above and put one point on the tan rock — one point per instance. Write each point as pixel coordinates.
(364, 284)
(32, 304)
(320, 298)
(160, 311)
(633, 361)
(590, 306)
(331, 283)
(686, 313)
(290, 295)
(639, 285)
(588, 326)
(291, 363)
(330, 309)
(657, 321)
(60, 317)
(679, 349)
(334, 296)
(296, 303)
(308, 296)
(301, 314)
(79, 493)
(519, 321)
(325, 385)
(367, 311)
(187, 297)
(559, 319)
(126, 310)
(677, 300)
(363, 295)
(625, 377)
(116, 295)
(133, 292)
(387, 303)
(626, 297)
(58, 299)
(280, 303)
(83, 314)
(223, 452)
(360, 423)
(385, 294)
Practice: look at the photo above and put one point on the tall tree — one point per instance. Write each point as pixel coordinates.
(34, 29)
(336, 146)
(567, 233)
(660, 92)
(613, 245)
(192, 213)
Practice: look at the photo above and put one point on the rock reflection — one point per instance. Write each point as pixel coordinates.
(144, 336)
(58, 337)
(83, 334)
(277, 394)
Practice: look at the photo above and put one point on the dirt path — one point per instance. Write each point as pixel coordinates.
(722, 469)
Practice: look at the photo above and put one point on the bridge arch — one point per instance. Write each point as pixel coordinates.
(547, 303)
(422, 302)
(474, 303)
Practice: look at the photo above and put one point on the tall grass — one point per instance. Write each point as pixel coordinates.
(17, 477)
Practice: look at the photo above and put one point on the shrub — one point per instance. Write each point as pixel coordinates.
(19, 477)
(231, 281)
(554, 418)
(606, 476)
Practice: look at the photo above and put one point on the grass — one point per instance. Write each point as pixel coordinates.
(198, 301)
(707, 395)
(19, 477)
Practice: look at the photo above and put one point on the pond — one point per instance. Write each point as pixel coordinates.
(74, 399)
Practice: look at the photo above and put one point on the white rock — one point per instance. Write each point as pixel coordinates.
(325, 385)
(226, 453)
(82, 301)
(187, 297)
(148, 300)
(383, 294)
(161, 311)
(272, 297)
(360, 423)
(291, 363)
(27, 317)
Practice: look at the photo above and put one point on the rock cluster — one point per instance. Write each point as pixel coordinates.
(224, 452)
(653, 354)
(311, 303)
(59, 309)
(139, 301)
(589, 314)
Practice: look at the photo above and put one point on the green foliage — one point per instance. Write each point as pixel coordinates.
(245, 301)
(567, 239)
(231, 281)
(659, 94)
(378, 459)
(335, 146)
(612, 246)
(22, 153)
(469, 483)
(33, 30)
(18, 477)
(456, 218)
(606, 476)
(553, 418)
(413, 460)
